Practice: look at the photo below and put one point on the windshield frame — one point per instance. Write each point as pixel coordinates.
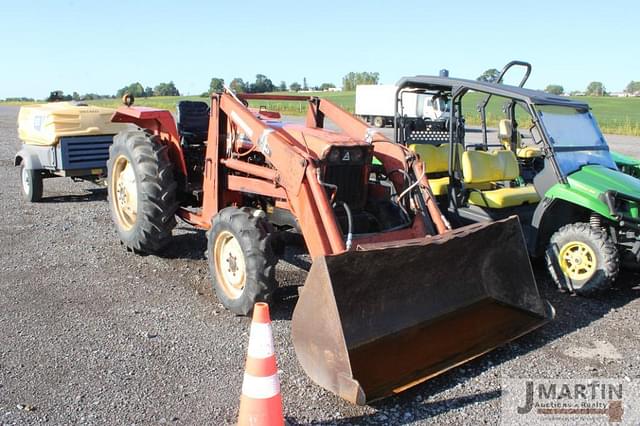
(553, 150)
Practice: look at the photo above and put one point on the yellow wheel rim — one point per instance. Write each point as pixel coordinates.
(124, 192)
(577, 261)
(229, 264)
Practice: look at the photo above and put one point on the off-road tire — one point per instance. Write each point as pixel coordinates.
(156, 191)
(32, 188)
(253, 233)
(378, 122)
(606, 254)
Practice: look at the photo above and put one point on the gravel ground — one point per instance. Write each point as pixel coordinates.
(91, 334)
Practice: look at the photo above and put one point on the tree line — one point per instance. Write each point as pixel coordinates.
(595, 88)
(262, 84)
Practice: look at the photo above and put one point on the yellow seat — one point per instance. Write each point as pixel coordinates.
(529, 152)
(505, 197)
(479, 167)
(495, 166)
(436, 160)
(505, 127)
(439, 186)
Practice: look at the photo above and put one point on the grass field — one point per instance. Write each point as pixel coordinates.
(615, 115)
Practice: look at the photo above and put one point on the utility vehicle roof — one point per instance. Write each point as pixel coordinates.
(453, 84)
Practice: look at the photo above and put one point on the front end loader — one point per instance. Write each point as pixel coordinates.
(393, 297)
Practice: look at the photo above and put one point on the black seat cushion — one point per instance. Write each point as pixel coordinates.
(193, 120)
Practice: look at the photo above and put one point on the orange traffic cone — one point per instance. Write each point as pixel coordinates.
(261, 403)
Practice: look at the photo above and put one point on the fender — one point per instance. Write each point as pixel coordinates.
(161, 123)
(30, 160)
(561, 205)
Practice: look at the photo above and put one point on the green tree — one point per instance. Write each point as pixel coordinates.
(304, 84)
(134, 89)
(489, 76)
(283, 86)
(294, 87)
(58, 96)
(554, 89)
(596, 88)
(327, 86)
(75, 96)
(166, 89)
(351, 80)
(633, 87)
(148, 92)
(216, 85)
(262, 85)
(238, 85)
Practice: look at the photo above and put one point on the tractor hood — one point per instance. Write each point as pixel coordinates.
(596, 180)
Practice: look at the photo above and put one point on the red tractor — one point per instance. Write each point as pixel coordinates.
(393, 296)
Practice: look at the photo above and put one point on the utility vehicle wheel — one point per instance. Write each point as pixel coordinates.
(241, 259)
(582, 259)
(378, 122)
(141, 191)
(31, 184)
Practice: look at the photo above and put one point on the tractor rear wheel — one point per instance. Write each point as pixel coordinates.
(582, 259)
(241, 259)
(31, 184)
(141, 191)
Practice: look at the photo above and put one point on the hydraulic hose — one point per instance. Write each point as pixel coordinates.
(349, 223)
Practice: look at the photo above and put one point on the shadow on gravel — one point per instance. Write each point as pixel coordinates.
(94, 194)
(418, 410)
(189, 244)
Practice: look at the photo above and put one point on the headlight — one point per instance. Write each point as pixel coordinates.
(334, 155)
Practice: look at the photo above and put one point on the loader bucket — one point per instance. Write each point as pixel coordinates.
(372, 322)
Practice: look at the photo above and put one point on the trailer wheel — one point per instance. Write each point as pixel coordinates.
(582, 259)
(241, 259)
(141, 191)
(378, 122)
(31, 184)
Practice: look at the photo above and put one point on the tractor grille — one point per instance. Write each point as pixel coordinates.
(350, 182)
(84, 152)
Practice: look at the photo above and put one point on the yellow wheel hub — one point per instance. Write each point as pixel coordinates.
(124, 192)
(230, 264)
(577, 261)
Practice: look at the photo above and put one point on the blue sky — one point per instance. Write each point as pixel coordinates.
(100, 46)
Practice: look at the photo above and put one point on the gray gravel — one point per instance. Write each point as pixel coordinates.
(91, 334)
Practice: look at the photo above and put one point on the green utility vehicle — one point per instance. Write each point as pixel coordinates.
(577, 208)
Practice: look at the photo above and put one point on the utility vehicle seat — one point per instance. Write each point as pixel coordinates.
(487, 167)
(193, 121)
(436, 160)
(505, 128)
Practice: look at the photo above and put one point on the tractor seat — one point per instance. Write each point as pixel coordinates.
(480, 167)
(193, 121)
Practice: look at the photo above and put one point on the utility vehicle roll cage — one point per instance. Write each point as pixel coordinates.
(528, 98)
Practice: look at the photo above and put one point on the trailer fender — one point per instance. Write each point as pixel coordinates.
(30, 160)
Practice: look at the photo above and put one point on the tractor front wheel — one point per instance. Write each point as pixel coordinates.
(241, 259)
(31, 184)
(141, 191)
(582, 259)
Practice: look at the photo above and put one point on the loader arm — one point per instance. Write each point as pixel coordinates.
(293, 175)
(393, 156)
